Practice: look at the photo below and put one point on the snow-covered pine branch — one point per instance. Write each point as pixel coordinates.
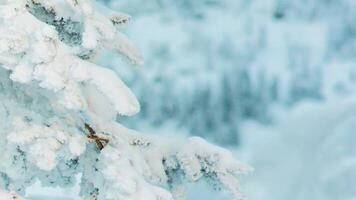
(58, 111)
(4, 195)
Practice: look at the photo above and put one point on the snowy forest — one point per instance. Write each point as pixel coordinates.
(178, 99)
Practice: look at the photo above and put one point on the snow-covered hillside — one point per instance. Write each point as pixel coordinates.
(309, 152)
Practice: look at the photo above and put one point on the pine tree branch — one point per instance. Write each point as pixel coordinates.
(100, 142)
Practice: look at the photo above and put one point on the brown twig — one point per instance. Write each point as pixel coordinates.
(100, 142)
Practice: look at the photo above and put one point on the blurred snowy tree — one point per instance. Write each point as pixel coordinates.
(254, 53)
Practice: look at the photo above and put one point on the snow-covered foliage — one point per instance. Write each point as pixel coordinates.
(4, 195)
(58, 111)
(231, 60)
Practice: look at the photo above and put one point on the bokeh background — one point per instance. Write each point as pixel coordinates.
(272, 80)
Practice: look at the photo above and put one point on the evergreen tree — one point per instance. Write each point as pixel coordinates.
(58, 111)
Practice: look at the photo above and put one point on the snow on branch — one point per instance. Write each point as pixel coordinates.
(58, 111)
(9, 196)
(170, 160)
(96, 28)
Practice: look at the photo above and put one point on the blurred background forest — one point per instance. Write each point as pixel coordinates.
(273, 80)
